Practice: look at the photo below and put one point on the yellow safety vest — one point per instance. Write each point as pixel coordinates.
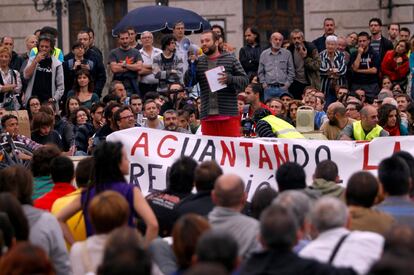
(359, 133)
(281, 128)
(56, 52)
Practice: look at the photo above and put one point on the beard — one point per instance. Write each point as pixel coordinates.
(333, 122)
(210, 50)
(171, 127)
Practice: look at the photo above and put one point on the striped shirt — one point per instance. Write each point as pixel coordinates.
(226, 98)
(338, 63)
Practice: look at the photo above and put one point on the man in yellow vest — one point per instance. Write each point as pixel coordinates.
(268, 125)
(365, 129)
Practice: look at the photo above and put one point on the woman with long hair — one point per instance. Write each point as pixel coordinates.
(390, 119)
(395, 63)
(72, 104)
(293, 108)
(83, 89)
(33, 106)
(111, 166)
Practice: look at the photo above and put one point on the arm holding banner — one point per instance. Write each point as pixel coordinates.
(145, 211)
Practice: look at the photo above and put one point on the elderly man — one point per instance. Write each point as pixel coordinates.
(335, 244)
(229, 198)
(306, 61)
(337, 120)
(365, 129)
(16, 61)
(148, 52)
(276, 69)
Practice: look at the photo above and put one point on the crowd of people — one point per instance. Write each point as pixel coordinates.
(358, 87)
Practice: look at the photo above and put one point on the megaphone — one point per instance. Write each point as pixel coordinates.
(190, 48)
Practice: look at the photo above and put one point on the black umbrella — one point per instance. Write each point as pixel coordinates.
(161, 18)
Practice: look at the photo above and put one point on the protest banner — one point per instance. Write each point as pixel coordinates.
(151, 153)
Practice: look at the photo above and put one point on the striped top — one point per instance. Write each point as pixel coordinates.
(226, 98)
(41, 186)
(326, 64)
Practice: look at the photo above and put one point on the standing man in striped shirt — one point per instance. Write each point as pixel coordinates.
(219, 114)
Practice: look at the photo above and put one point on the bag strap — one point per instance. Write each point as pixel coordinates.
(337, 246)
(86, 260)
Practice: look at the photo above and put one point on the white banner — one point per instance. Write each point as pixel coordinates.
(151, 152)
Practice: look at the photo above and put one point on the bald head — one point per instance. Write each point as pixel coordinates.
(369, 117)
(337, 107)
(229, 191)
(276, 40)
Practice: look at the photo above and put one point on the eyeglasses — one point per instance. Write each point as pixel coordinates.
(34, 104)
(127, 117)
(81, 115)
(146, 37)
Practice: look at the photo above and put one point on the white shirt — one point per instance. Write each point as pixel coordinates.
(86, 256)
(358, 251)
(147, 60)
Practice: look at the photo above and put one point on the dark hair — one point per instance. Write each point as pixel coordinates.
(256, 88)
(74, 115)
(76, 87)
(278, 228)
(26, 258)
(49, 30)
(66, 109)
(29, 112)
(6, 232)
(117, 114)
(151, 95)
(111, 97)
(220, 247)
(166, 40)
(42, 119)
(223, 34)
(390, 24)
(181, 176)
(409, 159)
(5, 118)
(206, 174)
(42, 157)
(262, 198)
(206, 269)
(77, 45)
(327, 170)
(88, 29)
(375, 19)
(383, 113)
(255, 32)
(108, 156)
(394, 175)
(214, 35)
(364, 34)
(83, 172)
(362, 189)
(405, 29)
(185, 233)
(124, 254)
(62, 169)
(11, 206)
(18, 181)
(97, 105)
(108, 114)
(48, 37)
(290, 176)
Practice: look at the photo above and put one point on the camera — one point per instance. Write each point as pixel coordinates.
(247, 122)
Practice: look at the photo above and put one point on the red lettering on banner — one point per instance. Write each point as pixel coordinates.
(171, 151)
(365, 165)
(264, 157)
(397, 146)
(138, 144)
(246, 146)
(227, 154)
(279, 155)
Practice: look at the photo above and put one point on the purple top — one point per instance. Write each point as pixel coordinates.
(125, 189)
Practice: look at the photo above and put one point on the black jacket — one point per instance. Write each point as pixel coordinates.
(272, 262)
(249, 58)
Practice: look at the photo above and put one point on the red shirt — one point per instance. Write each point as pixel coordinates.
(262, 105)
(59, 190)
(389, 66)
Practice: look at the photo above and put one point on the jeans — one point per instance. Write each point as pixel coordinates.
(272, 91)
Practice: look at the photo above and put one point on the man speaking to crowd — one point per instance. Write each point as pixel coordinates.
(219, 114)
